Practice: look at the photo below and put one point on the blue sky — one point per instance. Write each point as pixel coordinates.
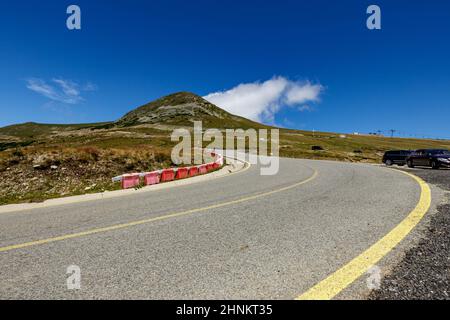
(131, 52)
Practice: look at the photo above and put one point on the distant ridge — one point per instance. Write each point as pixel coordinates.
(178, 109)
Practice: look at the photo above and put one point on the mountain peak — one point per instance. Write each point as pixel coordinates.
(178, 98)
(181, 108)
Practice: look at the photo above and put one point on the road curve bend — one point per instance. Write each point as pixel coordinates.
(244, 236)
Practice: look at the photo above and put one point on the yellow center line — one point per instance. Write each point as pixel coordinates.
(149, 220)
(331, 286)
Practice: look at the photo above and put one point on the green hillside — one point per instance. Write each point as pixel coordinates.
(42, 161)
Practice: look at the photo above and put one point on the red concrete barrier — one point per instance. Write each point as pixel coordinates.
(182, 173)
(202, 169)
(193, 171)
(130, 181)
(219, 160)
(167, 175)
(151, 178)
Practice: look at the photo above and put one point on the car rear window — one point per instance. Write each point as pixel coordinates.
(396, 153)
(446, 152)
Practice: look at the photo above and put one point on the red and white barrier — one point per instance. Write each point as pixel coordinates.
(130, 180)
(167, 175)
(182, 173)
(150, 178)
(193, 171)
(219, 161)
(202, 169)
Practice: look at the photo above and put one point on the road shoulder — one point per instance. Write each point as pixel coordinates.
(424, 270)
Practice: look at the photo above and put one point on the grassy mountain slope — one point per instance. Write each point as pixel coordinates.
(41, 161)
(35, 130)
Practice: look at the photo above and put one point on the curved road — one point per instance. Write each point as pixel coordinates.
(243, 236)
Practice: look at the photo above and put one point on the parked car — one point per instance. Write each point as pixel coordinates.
(434, 158)
(396, 157)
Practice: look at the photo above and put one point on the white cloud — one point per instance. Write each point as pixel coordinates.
(260, 101)
(69, 88)
(300, 93)
(305, 107)
(90, 87)
(60, 90)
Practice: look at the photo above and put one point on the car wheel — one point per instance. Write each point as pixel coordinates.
(435, 165)
(410, 164)
(389, 162)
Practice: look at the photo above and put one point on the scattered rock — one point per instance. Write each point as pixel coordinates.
(90, 187)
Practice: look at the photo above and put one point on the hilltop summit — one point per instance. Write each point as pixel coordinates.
(183, 108)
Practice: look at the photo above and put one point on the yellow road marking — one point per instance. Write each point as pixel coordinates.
(327, 289)
(145, 221)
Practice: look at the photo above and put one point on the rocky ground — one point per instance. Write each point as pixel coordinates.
(424, 272)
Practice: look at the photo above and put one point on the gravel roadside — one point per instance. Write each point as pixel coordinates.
(424, 272)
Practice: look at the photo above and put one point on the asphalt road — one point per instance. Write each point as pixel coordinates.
(243, 236)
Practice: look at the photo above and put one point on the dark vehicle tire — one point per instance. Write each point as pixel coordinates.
(435, 165)
(410, 164)
(389, 163)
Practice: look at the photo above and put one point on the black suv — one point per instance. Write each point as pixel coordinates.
(434, 158)
(396, 157)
